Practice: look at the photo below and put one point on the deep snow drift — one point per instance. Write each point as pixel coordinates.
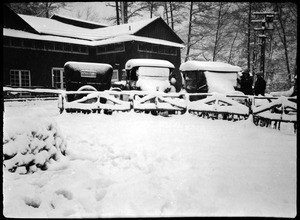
(140, 165)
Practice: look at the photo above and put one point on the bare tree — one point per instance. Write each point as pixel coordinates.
(151, 7)
(40, 9)
(189, 33)
(117, 13)
(127, 10)
(87, 13)
(282, 34)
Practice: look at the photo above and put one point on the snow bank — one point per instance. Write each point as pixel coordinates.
(28, 146)
(140, 165)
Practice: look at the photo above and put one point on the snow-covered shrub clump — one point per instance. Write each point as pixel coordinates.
(30, 144)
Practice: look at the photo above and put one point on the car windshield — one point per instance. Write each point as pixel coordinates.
(146, 71)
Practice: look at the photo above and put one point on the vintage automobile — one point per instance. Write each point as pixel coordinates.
(80, 76)
(209, 76)
(149, 75)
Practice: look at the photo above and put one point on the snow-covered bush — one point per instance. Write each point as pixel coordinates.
(30, 144)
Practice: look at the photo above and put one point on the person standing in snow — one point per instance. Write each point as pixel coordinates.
(260, 85)
(246, 83)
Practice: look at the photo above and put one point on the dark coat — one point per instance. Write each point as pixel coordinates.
(260, 86)
(246, 85)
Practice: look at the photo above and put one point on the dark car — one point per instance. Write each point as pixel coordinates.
(78, 74)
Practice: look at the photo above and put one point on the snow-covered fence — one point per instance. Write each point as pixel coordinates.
(265, 109)
(29, 146)
(109, 100)
(25, 94)
(216, 105)
(93, 102)
(160, 102)
(272, 111)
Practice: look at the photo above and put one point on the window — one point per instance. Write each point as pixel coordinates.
(15, 42)
(20, 78)
(49, 46)
(76, 48)
(110, 48)
(58, 78)
(28, 43)
(101, 49)
(155, 48)
(67, 47)
(39, 45)
(115, 76)
(119, 47)
(6, 41)
(58, 46)
(83, 49)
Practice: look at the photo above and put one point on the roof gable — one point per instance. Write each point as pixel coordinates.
(122, 29)
(160, 30)
(13, 21)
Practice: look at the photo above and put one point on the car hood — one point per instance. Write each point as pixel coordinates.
(153, 84)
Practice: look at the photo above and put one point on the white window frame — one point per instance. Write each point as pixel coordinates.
(61, 76)
(20, 77)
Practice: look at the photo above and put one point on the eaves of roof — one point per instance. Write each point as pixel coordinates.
(118, 39)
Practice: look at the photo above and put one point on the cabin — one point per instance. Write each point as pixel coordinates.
(35, 49)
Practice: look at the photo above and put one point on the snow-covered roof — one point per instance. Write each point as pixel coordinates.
(193, 65)
(125, 38)
(26, 35)
(119, 39)
(54, 30)
(148, 62)
(54, 27)
(77, 19)
(122, 29)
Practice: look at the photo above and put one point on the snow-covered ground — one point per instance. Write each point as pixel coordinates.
(140, 165)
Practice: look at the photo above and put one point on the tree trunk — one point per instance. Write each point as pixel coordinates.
(117, 13)
(232, 45)
(189, 34)
(249, 39)
(124, 12)
(284, 42)
(166, 11)
(171, 14)
(151, 10)
(217, 33)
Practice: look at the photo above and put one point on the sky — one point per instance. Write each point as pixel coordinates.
(100, 8)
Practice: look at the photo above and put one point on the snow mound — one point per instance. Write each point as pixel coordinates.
(29, 146)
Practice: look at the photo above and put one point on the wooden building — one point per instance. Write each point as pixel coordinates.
(35, 49)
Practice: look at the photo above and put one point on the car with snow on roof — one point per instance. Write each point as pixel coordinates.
(149, 75)
(210, 76)
(212, 89)
(87, 86)
(153, 78)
